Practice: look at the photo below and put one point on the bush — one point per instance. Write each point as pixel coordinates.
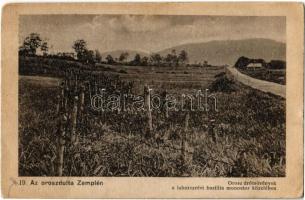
(222, 84)
(122, 71)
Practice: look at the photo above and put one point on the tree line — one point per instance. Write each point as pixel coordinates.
(33, 43)
(243, 62)
(155, 59)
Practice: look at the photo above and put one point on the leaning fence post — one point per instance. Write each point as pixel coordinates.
(73, 120)
(61, 145)
(148, 110)
(183, 137)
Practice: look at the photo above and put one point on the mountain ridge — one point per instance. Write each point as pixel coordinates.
(220, 52)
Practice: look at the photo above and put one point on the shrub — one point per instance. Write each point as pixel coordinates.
(222, 84)
(122, 71)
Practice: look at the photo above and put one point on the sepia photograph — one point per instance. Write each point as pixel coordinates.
(152, 95)
(152, 100)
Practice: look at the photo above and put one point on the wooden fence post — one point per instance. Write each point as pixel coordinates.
(183, 137)
(148, 110)
(211, 130)
(90, 92)
(164, 103)
(68, 80)
(95, 87)
(76, 82)
(61, 98)
(62, 88)
(65, 98)
(61, 145)
(81, 102)
(166, 106)
(73, 120)
(59, 104)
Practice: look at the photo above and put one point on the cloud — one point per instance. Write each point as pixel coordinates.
(148, 33)
(130, 23)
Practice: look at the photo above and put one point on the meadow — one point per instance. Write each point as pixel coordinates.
(244, 138)
(272, 75)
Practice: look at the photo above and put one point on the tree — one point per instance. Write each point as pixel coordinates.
(30, 44)
(242, 62)
(175, 59)
(183, 57)
(80, 47)
(144, 61)
(123, 56)
(277, 64)
(172, 59)
(168, 59)
(173, 51)
(44, 48)
(137, 59)
(89, 56)
(156, 59)
(205, 63)
(23, 51)
(109, 59)
(98, 56)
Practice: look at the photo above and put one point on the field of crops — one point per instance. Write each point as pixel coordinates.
(245, 137)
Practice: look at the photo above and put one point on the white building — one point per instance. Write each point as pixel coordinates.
(254, 66)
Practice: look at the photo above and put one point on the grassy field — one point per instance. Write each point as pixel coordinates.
(272, 75)
(248, 131)
(171, 78)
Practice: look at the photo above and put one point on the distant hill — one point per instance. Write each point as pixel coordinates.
(117, 53)
(228, 51)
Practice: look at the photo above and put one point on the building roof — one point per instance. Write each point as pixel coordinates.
(255, 65)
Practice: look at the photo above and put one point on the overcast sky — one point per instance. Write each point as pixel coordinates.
(148, 33)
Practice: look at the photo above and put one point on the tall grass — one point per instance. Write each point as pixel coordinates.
(246, 137)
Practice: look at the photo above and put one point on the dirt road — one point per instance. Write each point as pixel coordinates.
(264, 86)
